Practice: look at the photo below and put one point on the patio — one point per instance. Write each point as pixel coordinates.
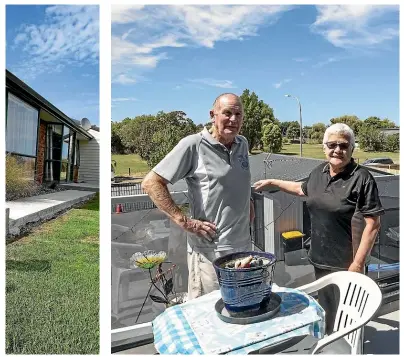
(141, 227)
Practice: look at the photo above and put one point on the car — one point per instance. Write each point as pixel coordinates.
(379, 160)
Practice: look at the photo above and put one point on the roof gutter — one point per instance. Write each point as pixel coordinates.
(18, 85)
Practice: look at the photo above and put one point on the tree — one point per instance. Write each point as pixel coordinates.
(386, 124)
(284, 127)
(171, 128)
(351, 120)
(117, 147)
(272, 137)
(376, 122)
(137, 133)
(199, 127)
(392, 143)
(255, 111)
(293, 131)
(306, 132)
(317, 132)
(371, 138)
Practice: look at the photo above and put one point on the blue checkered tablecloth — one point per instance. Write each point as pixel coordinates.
(195, 328)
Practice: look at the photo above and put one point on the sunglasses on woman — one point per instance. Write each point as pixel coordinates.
(332, 145)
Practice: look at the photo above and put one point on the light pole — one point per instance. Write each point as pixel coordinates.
(301, 127)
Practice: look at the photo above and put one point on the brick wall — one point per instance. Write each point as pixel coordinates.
(40, 161)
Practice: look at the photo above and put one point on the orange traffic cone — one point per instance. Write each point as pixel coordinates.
(118, 208)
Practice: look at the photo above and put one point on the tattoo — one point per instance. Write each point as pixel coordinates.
(161, 197)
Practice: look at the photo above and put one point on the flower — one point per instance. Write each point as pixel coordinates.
(148, 259)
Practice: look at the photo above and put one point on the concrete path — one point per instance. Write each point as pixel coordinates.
(42, 207)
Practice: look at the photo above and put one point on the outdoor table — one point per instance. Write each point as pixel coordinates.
(194, 327)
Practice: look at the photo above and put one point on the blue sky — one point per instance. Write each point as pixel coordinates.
(336, 59)
(55, 50)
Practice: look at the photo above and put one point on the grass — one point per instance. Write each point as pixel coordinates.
(316, 151)
(138, 167)
(52, 286)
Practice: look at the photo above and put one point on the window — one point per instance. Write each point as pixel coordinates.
(21, 127)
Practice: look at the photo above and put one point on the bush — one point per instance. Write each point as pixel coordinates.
(18, 182)
(272, 138)
(285, 141)
(371, 139)
(392, 143)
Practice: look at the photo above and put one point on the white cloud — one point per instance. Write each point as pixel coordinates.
(124, 13)
(130, 99)
(325, 62)
(141, 35)
(357, 26)
(281, 83)
(67, 36)
(123, 79)
(300, 59)
(214, 82)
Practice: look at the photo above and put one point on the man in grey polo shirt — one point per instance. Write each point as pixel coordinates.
(215, 166)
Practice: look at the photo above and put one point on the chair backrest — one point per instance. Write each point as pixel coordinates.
(121, 253)
(360, 298)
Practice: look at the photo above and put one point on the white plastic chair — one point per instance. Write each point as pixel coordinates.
(360, 298)
(121, 271)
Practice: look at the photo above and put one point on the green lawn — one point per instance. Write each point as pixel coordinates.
(316, 151)
(137, 166)
(52, 286)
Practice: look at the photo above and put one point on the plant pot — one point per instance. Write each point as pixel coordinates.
(244, 289)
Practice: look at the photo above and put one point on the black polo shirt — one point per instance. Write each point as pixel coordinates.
(337, 206)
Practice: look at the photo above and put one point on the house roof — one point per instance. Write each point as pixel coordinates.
(13, 82)
(281, 167)
(278, 166)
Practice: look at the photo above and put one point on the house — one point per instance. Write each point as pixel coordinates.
(52, 146)
(89, 171)
(390, 131)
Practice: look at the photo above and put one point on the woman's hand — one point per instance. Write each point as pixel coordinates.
(356, 268)
(259, 185)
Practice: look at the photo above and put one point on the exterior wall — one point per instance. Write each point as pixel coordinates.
(40, 162)
(89, 170)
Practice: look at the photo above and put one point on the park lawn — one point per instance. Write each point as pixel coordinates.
(315, 151)
(138, 167)
(52, 286)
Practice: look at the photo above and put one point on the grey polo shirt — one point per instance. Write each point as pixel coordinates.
(219, 187)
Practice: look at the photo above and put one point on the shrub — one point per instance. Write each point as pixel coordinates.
(392, 143)
(18, 182)
(371, 139)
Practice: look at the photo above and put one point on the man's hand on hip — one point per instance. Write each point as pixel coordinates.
(202, 229)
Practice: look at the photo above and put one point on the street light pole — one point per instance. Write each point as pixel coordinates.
(301, 127)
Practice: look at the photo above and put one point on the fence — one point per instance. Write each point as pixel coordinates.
(126, 189)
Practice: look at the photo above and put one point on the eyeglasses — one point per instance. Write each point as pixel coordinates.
(332, 145)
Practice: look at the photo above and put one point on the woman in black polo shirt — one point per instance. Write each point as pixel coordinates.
(345, 209)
